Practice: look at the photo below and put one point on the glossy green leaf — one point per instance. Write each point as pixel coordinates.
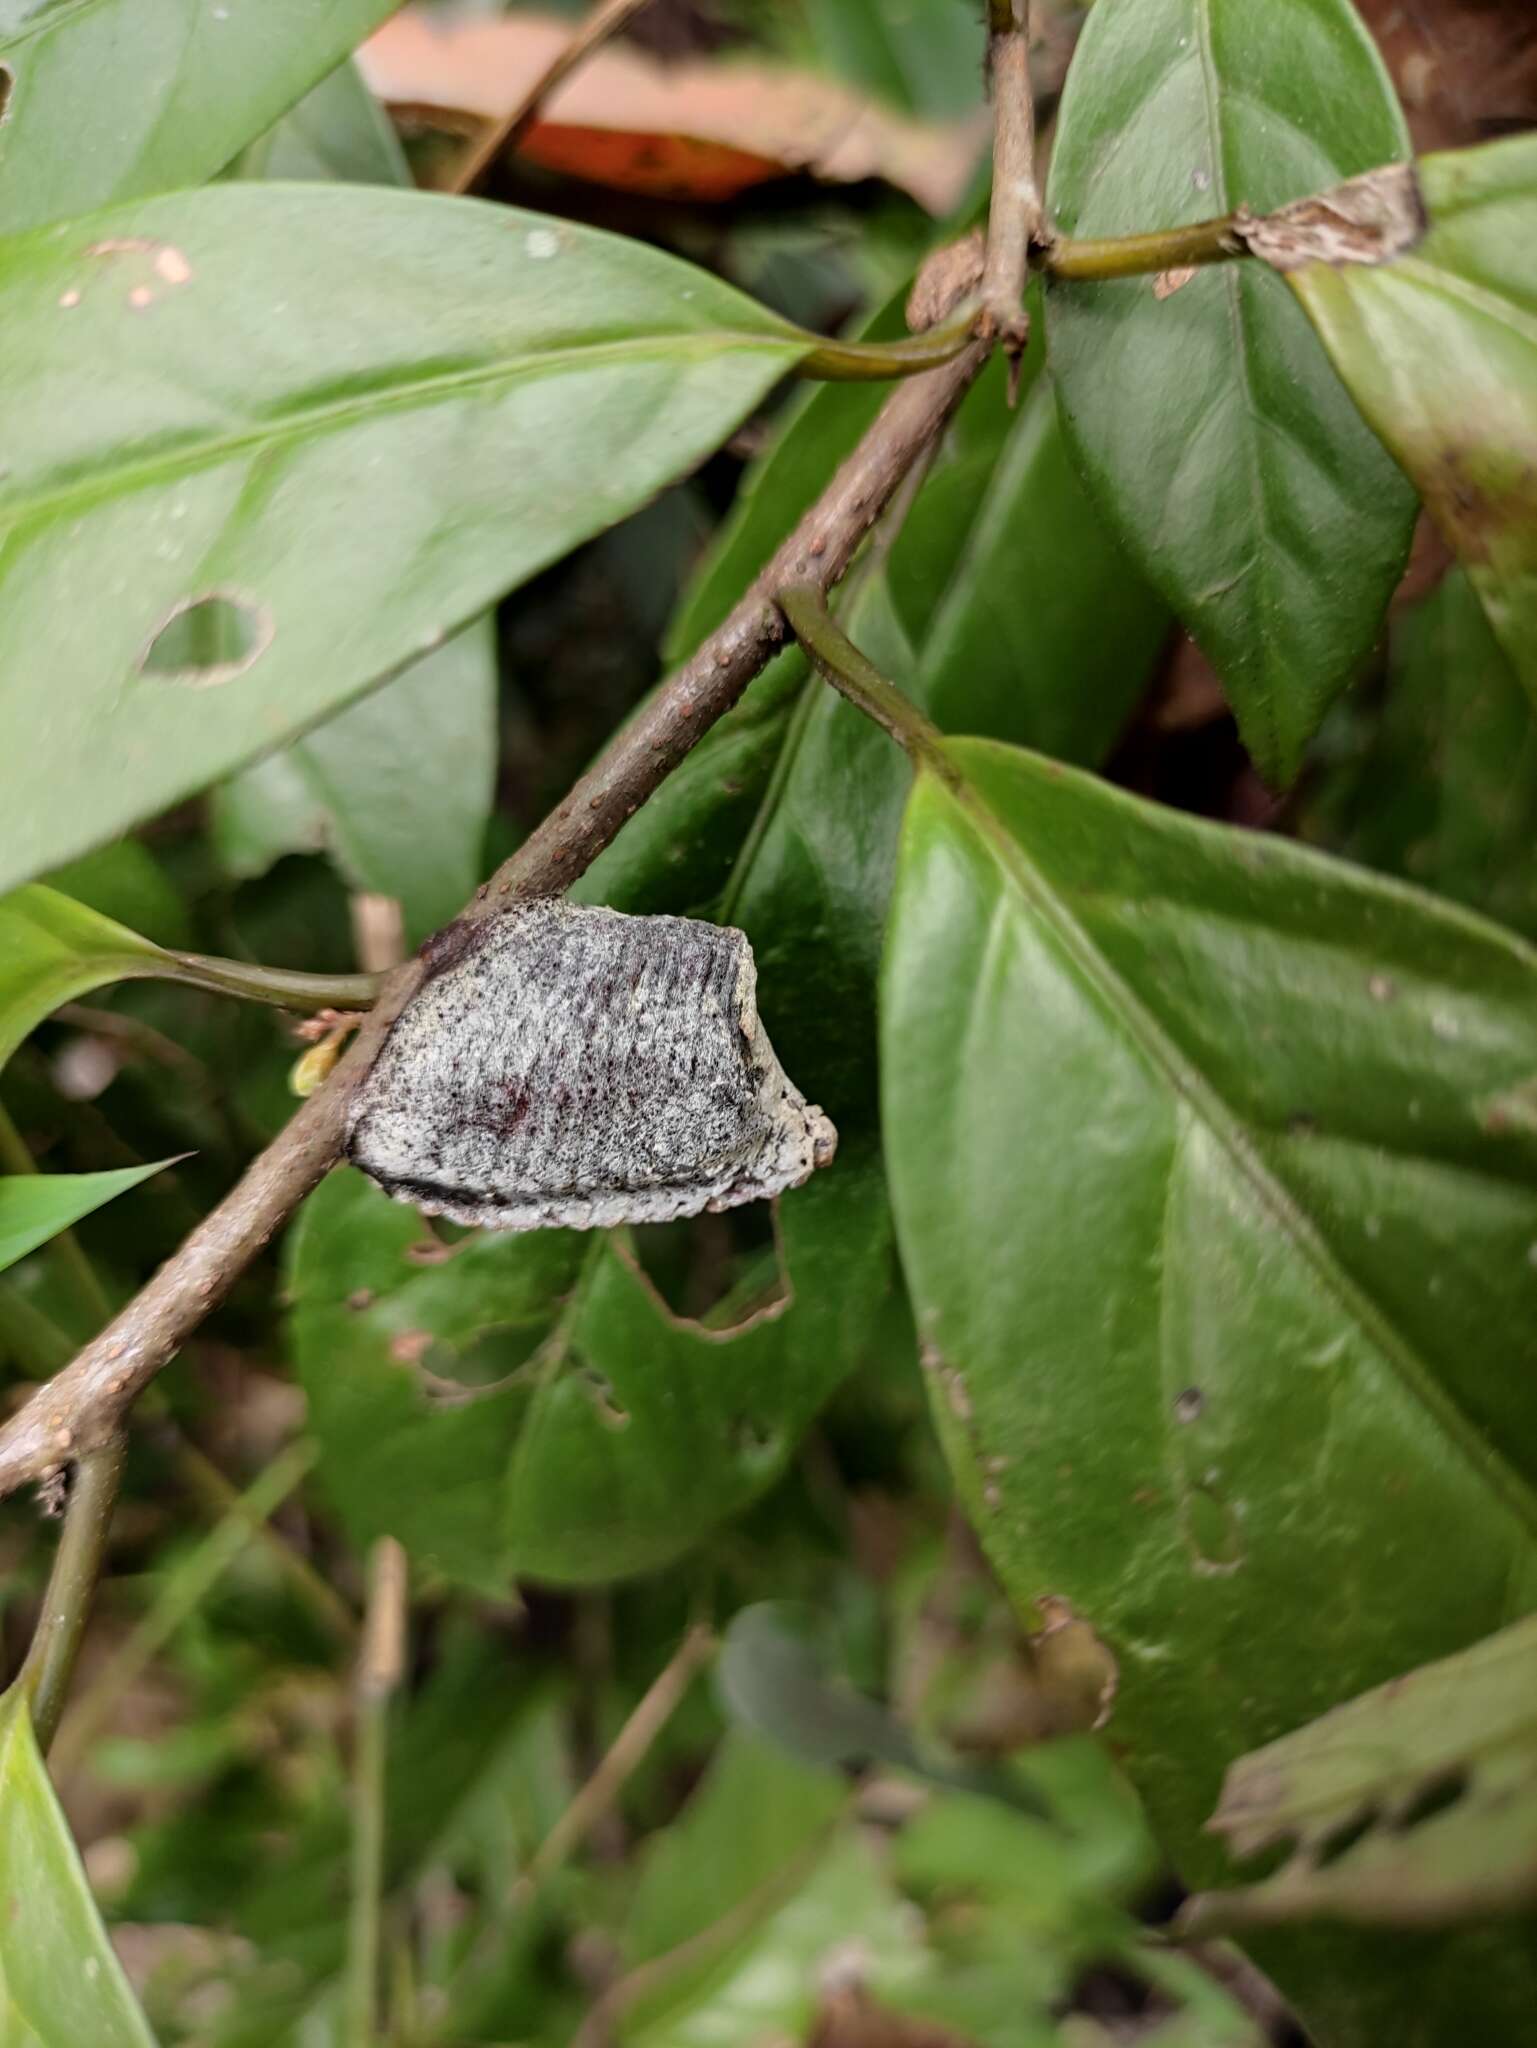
(398, 788)
(1209, 426)
(1439, 782)
(338, 422)
(1411, 1807)
(37, 1206)
(53, 949)
(109, 99)
(1439, 349)
(59, 1979)
(532, 1405)
(1207, 1155)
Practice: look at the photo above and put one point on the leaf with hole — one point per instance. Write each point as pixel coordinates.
(60, 1983)
(533, 1404)
(1411, 1807)
(306, 433)
(1207, 1153)
(397, 788)
(1209, 426)
(1439, 350)
(167, 90)
(37, 1206)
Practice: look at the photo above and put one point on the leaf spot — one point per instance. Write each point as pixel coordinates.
(1212, 1532)
(7, 87)
(208, 640)
(1188, 1405)
(540, 244)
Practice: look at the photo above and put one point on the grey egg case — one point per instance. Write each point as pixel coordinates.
(566, 1065)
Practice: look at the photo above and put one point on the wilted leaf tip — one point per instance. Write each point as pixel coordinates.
(1372, 219)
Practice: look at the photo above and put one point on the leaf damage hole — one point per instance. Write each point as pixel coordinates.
(208, 640)
(1212, 1531)
(1340, 1840)
(600, 1392)
(1433, 1797)
(716, 1274)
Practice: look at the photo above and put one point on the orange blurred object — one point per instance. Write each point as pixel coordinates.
(703, 131)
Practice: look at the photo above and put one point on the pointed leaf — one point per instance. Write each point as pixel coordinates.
(109, 99)
(1439, 349)
(58, 1974)
(1210, 429)
(37, 1206)
(338, 422)
(53, 949)
(1207, 1154)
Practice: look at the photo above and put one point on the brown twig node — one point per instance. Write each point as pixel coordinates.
(1015, 215)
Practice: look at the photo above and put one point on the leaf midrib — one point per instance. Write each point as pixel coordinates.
(209, 451)
(1192, 1087)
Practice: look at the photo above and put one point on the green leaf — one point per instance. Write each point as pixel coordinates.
(341, 423)
(1463, 301)
(532, 1405)
(397, 788)
(1209, 427)
(53, 949)
(124, 881)
(1439, 782)
(109, 99)
(337, 131)
(755, 1814)
(58, 1974)
(1410, 1807)
(37, 1206)
(769, 1988)
(1207, 1153)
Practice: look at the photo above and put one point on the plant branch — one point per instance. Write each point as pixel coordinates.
(605, 20)
(1015, 214)
(1207, 241)
(380, 1668)
(67, 1601)
(853, 675)
(641, 757)
(82, 1406)
(279, 986)
(625, 1754)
